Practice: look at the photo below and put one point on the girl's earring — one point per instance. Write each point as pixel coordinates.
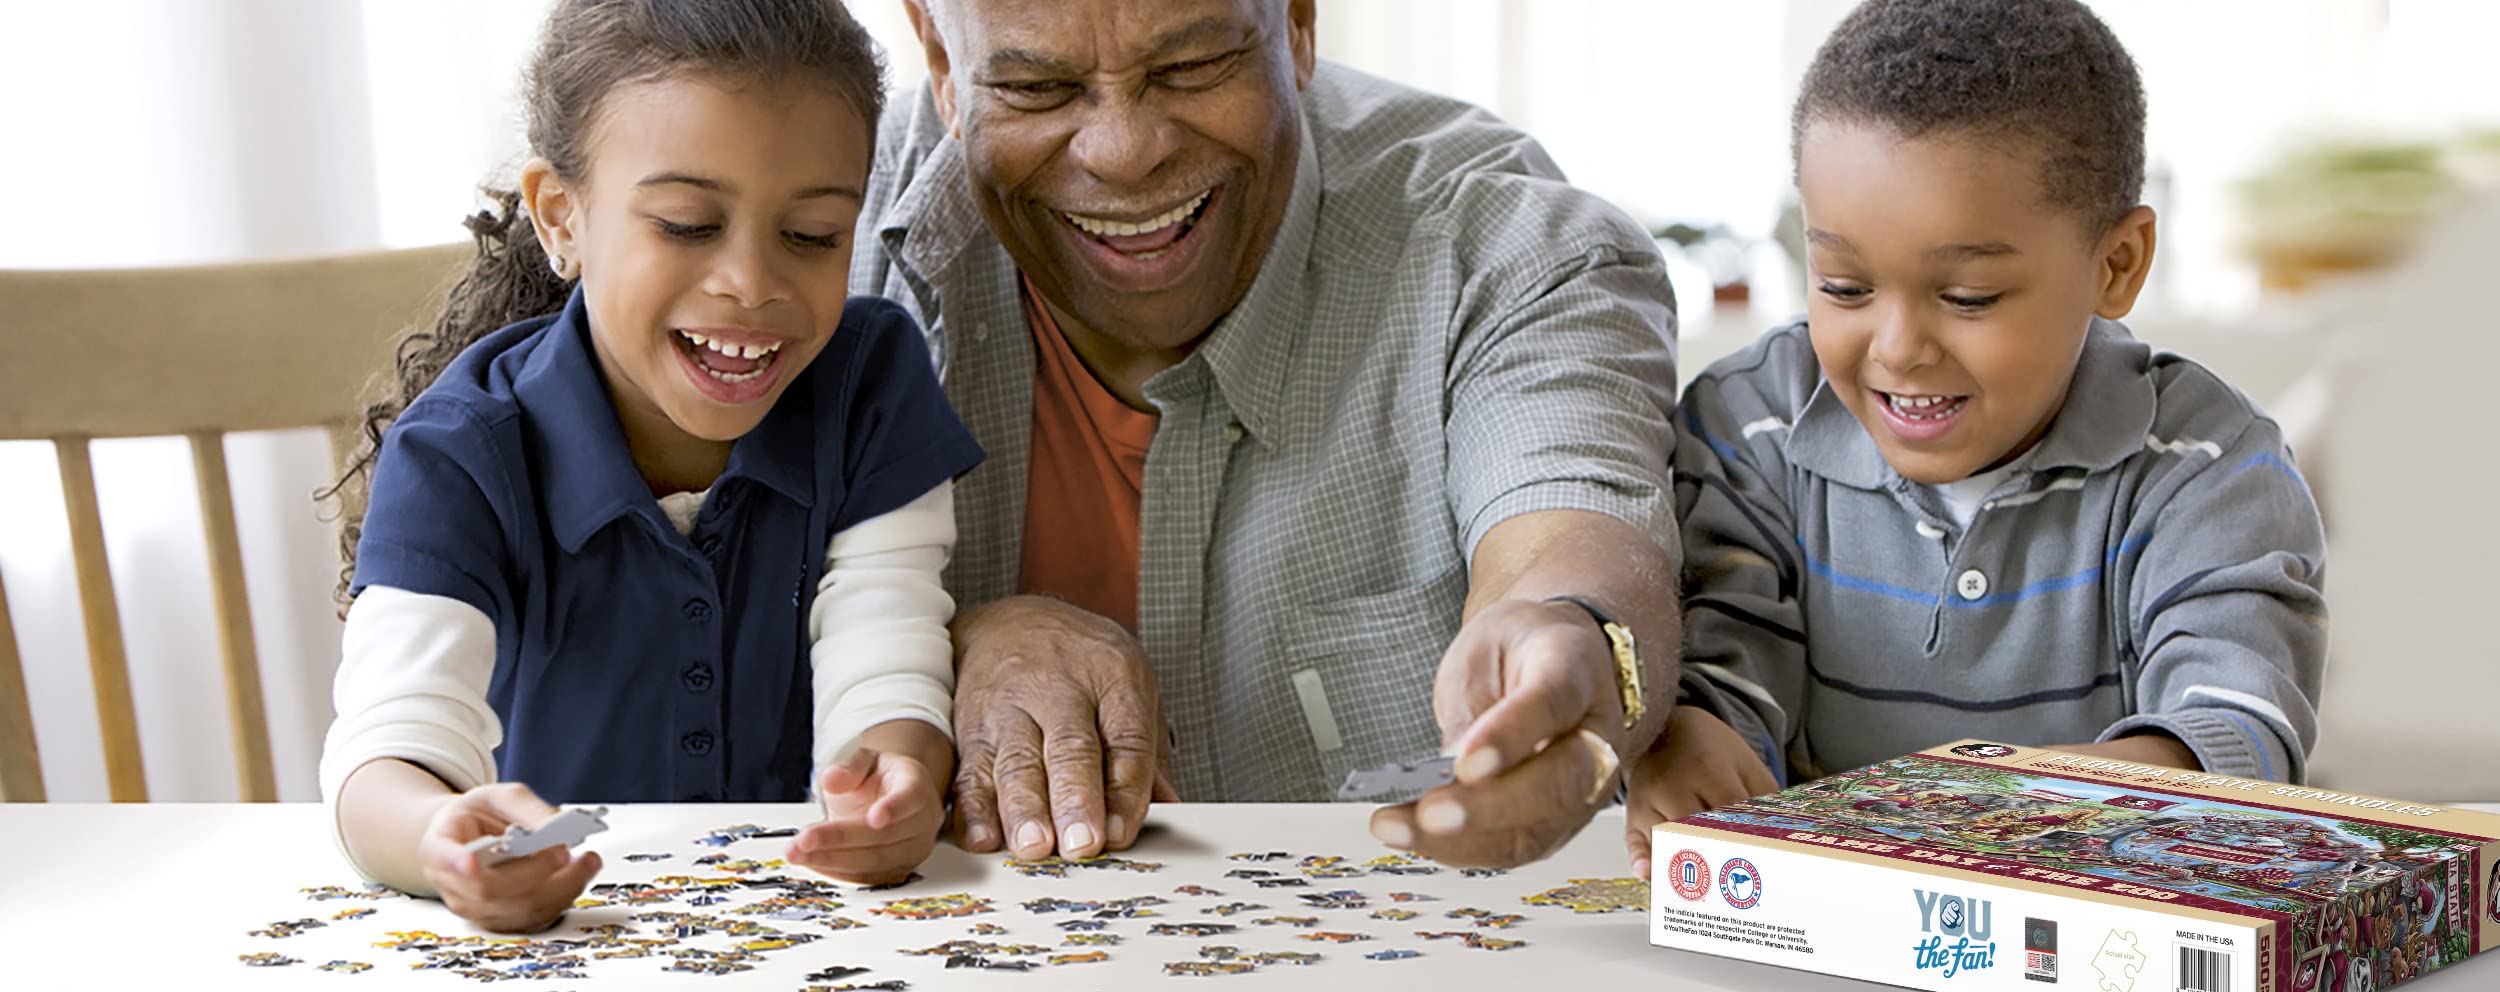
(556, 264)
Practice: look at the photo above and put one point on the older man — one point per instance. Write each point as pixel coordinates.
(1327, 427)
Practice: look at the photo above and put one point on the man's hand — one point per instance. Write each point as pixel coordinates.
(1058, 730)
(1526, 699)
(524, 895)
(1700, 763)
(884, 803)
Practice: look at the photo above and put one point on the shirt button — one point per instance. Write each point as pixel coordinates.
(698, 610)
(697, 677)
(698, 743)
(1971, 585)
(1232, 433)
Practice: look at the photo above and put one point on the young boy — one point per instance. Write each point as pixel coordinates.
(1960, 500)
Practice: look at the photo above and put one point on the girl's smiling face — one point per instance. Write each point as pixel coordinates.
(1947, 299)
(711, 230)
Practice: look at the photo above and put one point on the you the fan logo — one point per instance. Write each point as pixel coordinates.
(1966, 922)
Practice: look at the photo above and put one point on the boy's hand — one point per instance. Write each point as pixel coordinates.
(1700, 763)
(524, 895)
(2148, 748)
(882, 814)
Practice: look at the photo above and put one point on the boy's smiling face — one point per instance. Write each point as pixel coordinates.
(712, 236)
(1947, 299)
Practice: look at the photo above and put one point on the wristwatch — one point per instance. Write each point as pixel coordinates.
(1628, 677)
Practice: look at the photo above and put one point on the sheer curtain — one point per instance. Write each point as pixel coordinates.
(163, 131)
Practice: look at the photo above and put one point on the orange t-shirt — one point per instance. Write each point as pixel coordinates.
(1085, 480)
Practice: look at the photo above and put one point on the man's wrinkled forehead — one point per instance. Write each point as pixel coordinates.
(1013, 32)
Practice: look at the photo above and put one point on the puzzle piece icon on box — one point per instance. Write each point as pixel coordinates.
(2120, 962)
(568, 827)
(1399, 777)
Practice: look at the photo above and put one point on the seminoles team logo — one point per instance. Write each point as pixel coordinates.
(1740, 883)
(1689, 875)
(1984, 751)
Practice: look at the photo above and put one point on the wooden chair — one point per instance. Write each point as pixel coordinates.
(198, 352)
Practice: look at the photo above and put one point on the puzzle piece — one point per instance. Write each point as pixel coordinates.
(347, 967)
(1084, 957)
(2120, 962)
(1195, 969)
(1394, 954)
(1596, 895)
(568, 827)
(1399, 777)
(287, 928)
(935, 907)
(1190, 929)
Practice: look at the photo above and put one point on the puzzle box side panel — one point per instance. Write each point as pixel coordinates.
(1760, 900)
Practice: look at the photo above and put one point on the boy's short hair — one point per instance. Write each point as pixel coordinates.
(2045, 71)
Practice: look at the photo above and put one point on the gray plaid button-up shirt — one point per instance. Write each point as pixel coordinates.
(1444, 335)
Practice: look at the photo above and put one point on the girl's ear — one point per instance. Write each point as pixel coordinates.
(2125, 258)
(555, 213)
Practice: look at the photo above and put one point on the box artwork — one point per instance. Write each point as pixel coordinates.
(1979, 865)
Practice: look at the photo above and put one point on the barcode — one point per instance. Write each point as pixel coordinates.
(2201, 970)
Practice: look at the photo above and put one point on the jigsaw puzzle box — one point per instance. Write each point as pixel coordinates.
(1986, 866)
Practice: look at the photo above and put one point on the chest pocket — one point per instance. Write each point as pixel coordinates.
(1360, 672)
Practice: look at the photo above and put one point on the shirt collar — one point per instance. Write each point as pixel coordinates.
(1251, 349)
(2108, 412)
(587, 477)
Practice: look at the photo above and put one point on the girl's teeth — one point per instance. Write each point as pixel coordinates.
(728, 350)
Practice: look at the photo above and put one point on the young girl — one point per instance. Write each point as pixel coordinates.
(673, 532)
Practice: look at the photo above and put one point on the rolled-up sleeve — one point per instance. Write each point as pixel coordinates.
(1564, 400)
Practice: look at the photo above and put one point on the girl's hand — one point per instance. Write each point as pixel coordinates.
(882, 814)
(524, 895)
(1700, 763)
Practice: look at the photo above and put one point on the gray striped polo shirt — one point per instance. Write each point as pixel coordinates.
(2158, 562)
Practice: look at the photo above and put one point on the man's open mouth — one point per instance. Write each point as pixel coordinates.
(1143, 239)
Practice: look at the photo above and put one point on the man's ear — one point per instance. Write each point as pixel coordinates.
(1301, 29)
(924, 24)
(2122, 261)
(555, 212)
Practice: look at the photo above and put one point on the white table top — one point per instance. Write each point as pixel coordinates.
(162, 895)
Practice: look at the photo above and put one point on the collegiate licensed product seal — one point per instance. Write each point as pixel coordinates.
(1689, 875)
(1740, 883)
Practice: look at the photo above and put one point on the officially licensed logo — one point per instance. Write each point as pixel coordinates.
(1740, 883)
(1689, 875)
(1984, 751)
(2040, 950)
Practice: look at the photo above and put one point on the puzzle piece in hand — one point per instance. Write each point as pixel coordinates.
(1399, 776)
(565, 829)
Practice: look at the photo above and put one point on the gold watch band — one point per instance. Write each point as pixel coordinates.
(1628, 675)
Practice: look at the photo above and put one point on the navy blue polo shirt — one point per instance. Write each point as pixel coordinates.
(634, 663)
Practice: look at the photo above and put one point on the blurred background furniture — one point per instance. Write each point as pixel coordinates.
(196, 352)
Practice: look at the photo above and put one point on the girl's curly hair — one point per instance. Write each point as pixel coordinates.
(587, 49)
